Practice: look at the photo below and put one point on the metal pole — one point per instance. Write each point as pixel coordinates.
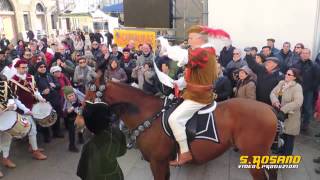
(174, 14)
(316, 42)
(57, 14)
(205, 12)
(184, 18)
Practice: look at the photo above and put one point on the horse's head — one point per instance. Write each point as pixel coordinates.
(89, 96)
(97, 116)
(126, 101)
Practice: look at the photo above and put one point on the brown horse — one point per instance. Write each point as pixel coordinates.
(249, 125)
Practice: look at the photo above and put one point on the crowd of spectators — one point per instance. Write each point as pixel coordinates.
(287, 79)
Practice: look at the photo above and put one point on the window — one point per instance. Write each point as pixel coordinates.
(5, 5)
(39, 8)
(26, 22)
(53, 22)
(97, 26)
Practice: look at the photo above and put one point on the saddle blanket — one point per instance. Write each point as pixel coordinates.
(200, 126)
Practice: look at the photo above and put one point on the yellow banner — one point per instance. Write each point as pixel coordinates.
(122, 37)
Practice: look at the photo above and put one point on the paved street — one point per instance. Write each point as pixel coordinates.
(61, 164)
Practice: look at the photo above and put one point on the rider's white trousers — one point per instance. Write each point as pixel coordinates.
(179, 118)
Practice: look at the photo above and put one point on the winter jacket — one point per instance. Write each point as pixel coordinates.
(284, 60)
(43, 82)
(310, 74)
(246, 89)
(117, 74)
(223, 88)
(226, 55)
(82, 75)
(291, 102)
(266, 81)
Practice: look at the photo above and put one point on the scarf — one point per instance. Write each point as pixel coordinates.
(22, 76)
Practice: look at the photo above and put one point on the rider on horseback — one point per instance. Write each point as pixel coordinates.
(200, 73)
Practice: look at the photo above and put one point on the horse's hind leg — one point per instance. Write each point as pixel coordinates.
(273, 174)
(258, 174)
(160, 170)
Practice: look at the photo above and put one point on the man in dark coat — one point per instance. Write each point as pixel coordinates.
(295, 57)
(70, 43)
(284, 57)
(226, 55)
(268, 76)
(267, 52)
(109, 38)
(222, 86)
(99, 156)
(103, 57)
(270, 43)
(3, 60)
(4, 42)
(98, 37)
(30, 35)
(310, 73)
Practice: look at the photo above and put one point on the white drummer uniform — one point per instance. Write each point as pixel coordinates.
(7, 98)
(23, 86)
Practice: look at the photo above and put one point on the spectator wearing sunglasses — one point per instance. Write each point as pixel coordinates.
(233, 66)
(295, 57)
(287, 98)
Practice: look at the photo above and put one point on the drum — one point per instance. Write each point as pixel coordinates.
(44, 114)
(14, 124)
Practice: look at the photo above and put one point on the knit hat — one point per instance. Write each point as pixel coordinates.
(67, 90)
(55, 69)
(97, 116)
(40, 64)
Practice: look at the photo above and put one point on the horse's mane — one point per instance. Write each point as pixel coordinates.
(134, 90)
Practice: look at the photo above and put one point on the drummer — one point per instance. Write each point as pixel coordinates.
(8, 102)
(24, 87)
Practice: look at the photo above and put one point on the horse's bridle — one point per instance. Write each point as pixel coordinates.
(99, 91)
(141, 127)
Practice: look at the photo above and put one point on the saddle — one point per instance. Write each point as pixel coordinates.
(200, 126)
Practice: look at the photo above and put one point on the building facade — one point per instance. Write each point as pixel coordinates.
(251, 22)
(19, 16)
(187, 13)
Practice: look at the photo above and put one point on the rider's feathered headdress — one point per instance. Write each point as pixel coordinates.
(212, 33)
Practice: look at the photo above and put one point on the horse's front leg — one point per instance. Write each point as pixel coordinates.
(160, 169)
